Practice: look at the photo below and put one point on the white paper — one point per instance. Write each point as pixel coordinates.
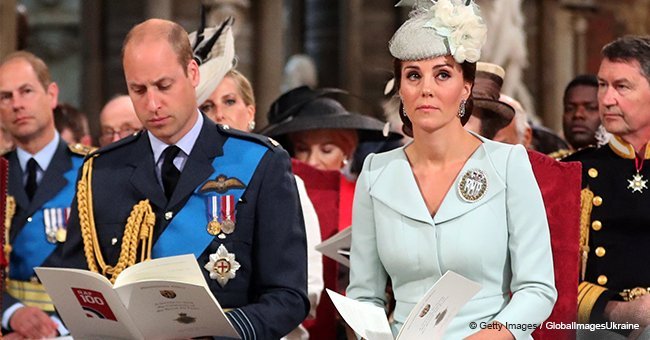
(165, 298)
(366, 319)
(431, 316)
(428, 319)
(337, 247)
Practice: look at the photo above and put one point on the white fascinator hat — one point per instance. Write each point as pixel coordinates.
(437, 28)
(214, 51)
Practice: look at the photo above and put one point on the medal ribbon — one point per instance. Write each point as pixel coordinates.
(240, 159)
(228, 208)
(31, 246)
(212, 207)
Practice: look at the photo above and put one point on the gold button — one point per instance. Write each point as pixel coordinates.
(602, 280)
(600, 251)
(596, 225)
(597, 201)
(593, 173)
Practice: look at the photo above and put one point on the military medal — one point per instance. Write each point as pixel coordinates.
(228, 214)
(56, 221)
(212, 203)
(472, 185)
(222, 266)
(637, 183)
(214, 227)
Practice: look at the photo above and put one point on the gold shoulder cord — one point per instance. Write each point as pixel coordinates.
(139, 227)
(10, 211)
(586, 197)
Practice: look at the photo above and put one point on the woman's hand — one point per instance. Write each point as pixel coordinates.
(495, 330)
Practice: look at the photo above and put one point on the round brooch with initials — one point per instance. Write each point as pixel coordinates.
(472, 185)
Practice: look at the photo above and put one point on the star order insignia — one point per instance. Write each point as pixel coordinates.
(222, 266)
(637, 183)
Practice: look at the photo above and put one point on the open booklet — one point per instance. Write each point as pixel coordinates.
(337, 247)
(428, 319)
(165, 298)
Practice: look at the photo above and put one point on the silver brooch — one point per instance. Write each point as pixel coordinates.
(472, 185)
(222, 266)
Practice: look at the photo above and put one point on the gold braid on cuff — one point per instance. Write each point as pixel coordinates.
(588, 294)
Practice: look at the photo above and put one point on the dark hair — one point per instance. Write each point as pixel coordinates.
(67, 116)
(581, 80)
(629, 48)
(469, 74)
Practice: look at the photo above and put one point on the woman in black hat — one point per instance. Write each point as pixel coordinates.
(318, 130)
(450, 200)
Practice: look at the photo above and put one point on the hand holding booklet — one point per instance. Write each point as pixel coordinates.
(428, 319)
(165, 298)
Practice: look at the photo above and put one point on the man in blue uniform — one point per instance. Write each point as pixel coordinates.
(225, 196)
(615, 197)
(42, 173)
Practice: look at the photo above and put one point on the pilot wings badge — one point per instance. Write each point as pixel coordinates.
(222, 184)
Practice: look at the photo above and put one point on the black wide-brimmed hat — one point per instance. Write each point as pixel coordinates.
(486, 92)
(304, 109)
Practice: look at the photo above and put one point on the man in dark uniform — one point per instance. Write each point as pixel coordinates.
(615, 197)
(227, 197)
(42, 173)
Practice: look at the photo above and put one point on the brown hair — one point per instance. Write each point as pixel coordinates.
(244, 86)
(68, 116)
(174, 33)
(469, 74)
(41, 70)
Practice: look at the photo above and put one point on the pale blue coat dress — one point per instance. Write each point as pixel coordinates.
(500, 241)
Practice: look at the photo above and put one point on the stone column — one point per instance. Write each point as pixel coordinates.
(7, 27)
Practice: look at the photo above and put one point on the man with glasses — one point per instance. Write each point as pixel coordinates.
(118, 120)
(42, 173)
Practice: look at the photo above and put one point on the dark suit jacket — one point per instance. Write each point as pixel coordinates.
(50, 185)
(268, 294)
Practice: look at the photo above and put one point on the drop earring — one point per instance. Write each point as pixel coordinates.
(251, 125)
(461, 108)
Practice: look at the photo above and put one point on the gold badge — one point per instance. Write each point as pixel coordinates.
(214, 227)
(222, 266)
(61, 235)
(472, 185)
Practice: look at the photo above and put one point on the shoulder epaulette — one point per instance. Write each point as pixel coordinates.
(260, 139)
(124, 141)
(81, 149)
(560, 154)
(578, 154)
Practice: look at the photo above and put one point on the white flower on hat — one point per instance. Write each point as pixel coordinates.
(463, 28)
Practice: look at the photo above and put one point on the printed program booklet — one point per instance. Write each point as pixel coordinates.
(337, 247)
(428, 319)
(165, 298)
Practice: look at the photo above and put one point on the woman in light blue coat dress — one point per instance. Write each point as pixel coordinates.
(450, 200)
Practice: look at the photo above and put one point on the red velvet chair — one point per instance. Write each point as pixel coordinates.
(323, 188)
(560, 185)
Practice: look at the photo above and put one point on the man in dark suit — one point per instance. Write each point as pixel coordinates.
(42, 172)
(225, 196)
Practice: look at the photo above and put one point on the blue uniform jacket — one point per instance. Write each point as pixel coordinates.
(268, 295)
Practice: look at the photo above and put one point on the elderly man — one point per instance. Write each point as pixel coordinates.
(42, 172)
(615, 195)
(171, 170)
(118, 120)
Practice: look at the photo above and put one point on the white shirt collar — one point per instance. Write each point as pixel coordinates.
(42, 157)
(186, 143)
